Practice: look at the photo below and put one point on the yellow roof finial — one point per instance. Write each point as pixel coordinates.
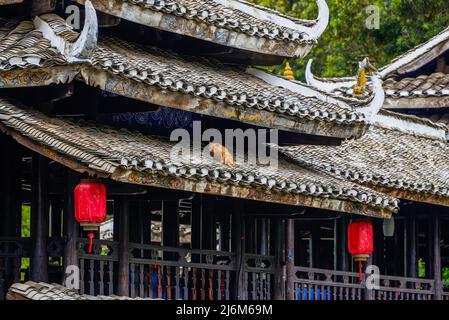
(288, 72)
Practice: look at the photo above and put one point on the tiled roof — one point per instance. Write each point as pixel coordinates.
(196, 78)
(434, 85)
(132, 157)
(418, 56)
(236, 23)
(400, 160)
(44, 291)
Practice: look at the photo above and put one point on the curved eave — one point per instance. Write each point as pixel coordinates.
(415, 196)
(192, 28)
(205, 187)
(34, 77)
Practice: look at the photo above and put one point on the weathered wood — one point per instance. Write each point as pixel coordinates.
(278, 274)
(315, 245)
(290, 259)
(412, 265)
(437, 254)
(39, 219)
(123, 269)
(36, 8)
(238, 247)
(71, 228)
(10, 207)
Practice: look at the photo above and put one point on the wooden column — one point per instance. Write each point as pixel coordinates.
(277, 252)
(315, 245)
(71, 228)
(342, 242)
(378, 257)
(412, 261)
(238, 247)
(170, 224)
(437, 255)
(39, 219)
(10, 204)
(196, 222)
(123, 250)
(290, 259)
(56, 217)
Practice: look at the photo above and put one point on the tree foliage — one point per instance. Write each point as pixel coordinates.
(403, 25)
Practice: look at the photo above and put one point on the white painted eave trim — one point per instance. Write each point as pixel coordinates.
(409, 126)
(295, 87)
(325, 86)
(411, 56)
(311, 33)
(83, 48)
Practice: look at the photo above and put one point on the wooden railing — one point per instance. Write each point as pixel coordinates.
(445, 293)
(320, 284)
(258, 273)
(176, 273)
(13, 249)
(189, 274)
(97, 269)
(401, 288)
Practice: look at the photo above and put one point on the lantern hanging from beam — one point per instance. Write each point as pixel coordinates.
(90, 206)
(360, 242)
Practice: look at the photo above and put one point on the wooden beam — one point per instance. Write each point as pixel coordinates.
(39, 219)
(290, 259)
(343, 256)
(123, 270)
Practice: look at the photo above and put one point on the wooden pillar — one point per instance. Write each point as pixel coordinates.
(277, 252)
(39, 219)
(170, 224)
(10, 205)
(430, 272)
(196, 222)
(71, 228)
(290, 259)
(437, 255)
(208, 224)
(123, 250)
(238, 247)
(343, 254)
(412, 261)
(379, 244)
(315, 245)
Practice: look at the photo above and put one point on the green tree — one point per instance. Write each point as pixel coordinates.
(347, 40)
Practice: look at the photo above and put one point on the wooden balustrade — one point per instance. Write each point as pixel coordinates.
(445, 293)
(258, 273)
(177, 273)
(188, 274)
(97, 269)
(401, 288)
(320, 284)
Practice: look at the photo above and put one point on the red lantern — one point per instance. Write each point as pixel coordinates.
(360, 242)
(90, 206)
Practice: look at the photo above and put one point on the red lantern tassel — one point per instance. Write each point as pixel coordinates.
(360, 271)
(91, 237)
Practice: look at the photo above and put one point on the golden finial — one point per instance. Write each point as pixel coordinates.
(288, 72)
